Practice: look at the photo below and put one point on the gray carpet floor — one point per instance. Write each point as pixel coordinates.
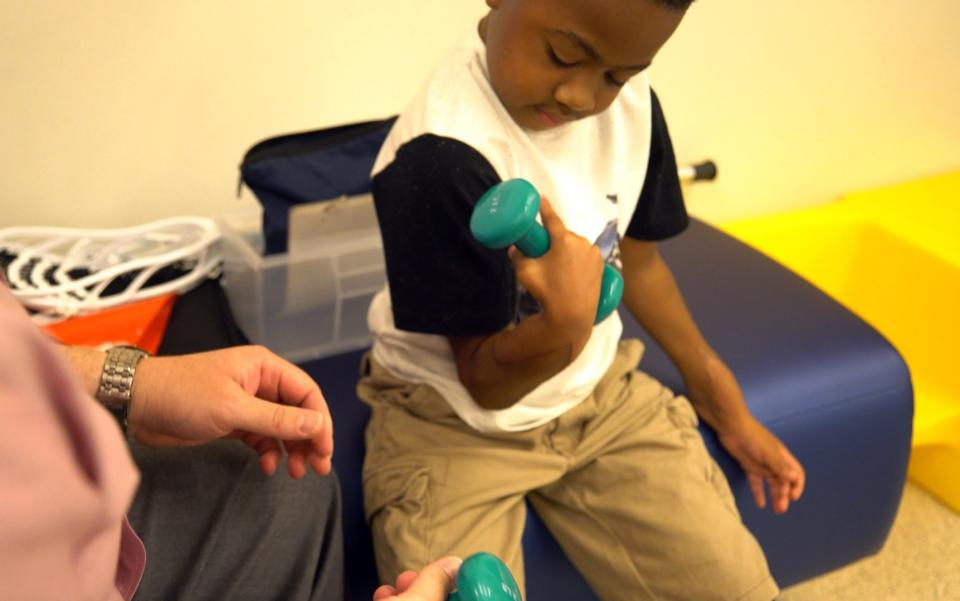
(919, 562)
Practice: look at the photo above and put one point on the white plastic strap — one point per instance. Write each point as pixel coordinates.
(40, 277)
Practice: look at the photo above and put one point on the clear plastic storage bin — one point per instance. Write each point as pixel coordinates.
(311, 301)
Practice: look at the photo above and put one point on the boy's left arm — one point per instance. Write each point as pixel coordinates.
(652, 296)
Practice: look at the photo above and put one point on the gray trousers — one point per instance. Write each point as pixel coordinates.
(216, 528)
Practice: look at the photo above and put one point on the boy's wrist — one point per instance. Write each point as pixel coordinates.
(715, 394)
(722, 418)
(538, 336)
(501, 368)
(567, 328)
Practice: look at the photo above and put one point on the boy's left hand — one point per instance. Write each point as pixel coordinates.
(765, 459)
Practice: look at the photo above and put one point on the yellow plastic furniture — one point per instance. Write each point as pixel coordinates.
(892, 256)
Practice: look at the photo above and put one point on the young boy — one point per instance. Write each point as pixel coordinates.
(483, 396)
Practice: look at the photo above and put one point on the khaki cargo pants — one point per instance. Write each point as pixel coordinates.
(623, 481)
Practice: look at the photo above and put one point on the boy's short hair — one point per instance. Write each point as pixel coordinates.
(676, 4)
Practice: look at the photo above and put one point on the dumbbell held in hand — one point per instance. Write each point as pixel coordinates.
(484, 577)
(507, 214)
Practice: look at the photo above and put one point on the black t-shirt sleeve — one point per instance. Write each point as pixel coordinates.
(660, 212)
(442, 281)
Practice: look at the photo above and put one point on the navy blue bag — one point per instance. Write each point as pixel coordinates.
(288, 170)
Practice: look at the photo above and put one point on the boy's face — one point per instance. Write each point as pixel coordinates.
(554, 61)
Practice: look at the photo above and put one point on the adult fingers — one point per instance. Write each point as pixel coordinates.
(277, 421)
(321, 464)
(304, 453)
(297, 452)
(435, 581)
(283, 382)
(384, 592)
(299, 455)
(270, 455)
(287, 384)
(267, 448)
(405, 579)
(296, 466)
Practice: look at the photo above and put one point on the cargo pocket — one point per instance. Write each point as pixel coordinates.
(722, 486)
(682, 414)
(397, 507)
(684, 417)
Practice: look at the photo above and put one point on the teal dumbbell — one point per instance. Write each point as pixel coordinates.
(484, 577)
(507, 214)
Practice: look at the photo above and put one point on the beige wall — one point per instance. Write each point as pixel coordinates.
(119, 111)
(801, 101)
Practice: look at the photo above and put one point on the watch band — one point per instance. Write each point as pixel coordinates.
(116, 380)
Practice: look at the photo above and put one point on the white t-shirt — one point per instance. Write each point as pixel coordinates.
(447, 148)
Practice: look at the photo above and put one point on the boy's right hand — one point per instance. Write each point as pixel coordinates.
(499, 369)
(565, 280)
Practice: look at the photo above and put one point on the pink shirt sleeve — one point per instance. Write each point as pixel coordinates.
(66, 477)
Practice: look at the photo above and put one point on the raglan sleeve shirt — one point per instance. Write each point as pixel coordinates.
(660, 212)
(444, 282)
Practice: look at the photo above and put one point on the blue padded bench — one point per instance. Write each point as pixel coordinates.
(819, 377)
(828, 384)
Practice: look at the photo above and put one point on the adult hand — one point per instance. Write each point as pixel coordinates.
(434, 583)
(247, 393)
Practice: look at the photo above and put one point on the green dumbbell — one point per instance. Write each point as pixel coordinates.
(484, 577)
(507, 214)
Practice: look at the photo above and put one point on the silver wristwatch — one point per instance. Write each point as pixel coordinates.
(116, 380)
